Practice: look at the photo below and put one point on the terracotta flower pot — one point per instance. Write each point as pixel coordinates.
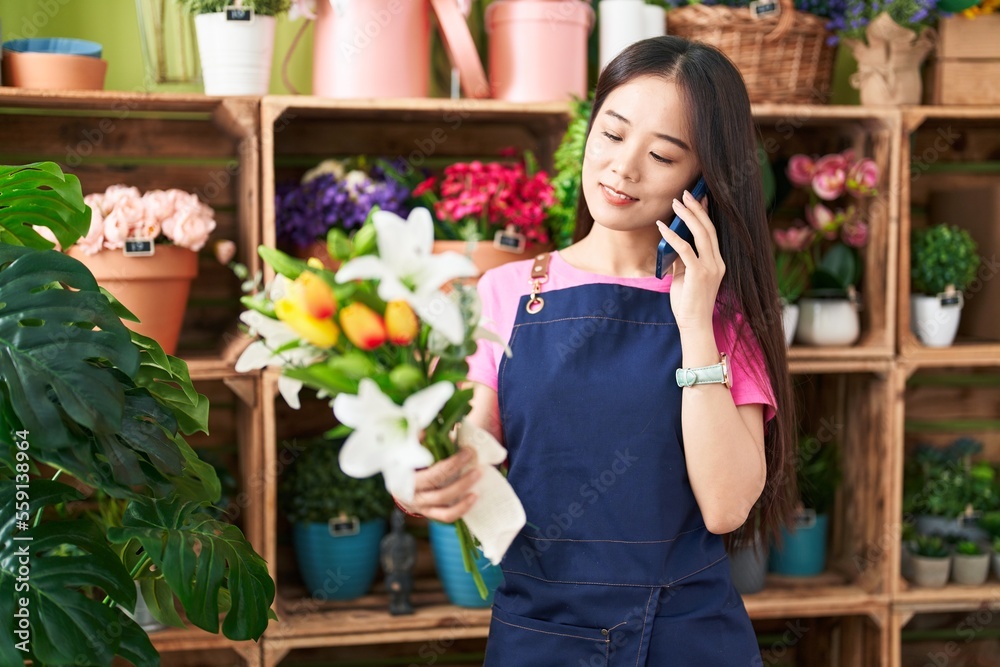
(154, 288)
(487, 256)
(53, 71)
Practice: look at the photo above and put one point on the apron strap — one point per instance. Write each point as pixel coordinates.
(539, 276)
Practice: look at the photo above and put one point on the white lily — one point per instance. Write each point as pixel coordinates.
(261, 353)
(406, 270)
(386, 435)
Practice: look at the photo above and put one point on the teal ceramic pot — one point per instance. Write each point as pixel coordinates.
(335, 564)
(459, 584)
(802, 553)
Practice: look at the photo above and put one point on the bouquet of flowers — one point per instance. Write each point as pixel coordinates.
(821, 254)
(335, 195)
(387, 344)
(473, 201)
(122, 212)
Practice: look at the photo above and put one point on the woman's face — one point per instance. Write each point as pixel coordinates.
(639, 156)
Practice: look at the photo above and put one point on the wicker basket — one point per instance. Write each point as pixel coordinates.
(782, 59)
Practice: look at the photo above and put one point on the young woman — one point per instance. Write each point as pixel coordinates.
(630, 471)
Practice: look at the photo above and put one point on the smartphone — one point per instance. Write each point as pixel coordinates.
(665, 255)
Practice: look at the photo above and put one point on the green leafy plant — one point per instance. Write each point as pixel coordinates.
(819, 473)
(568, 162)
(942, 256)
(316, 489)
(262, 7)
(945, 482)
(968, 548)
(930, 546)
(84, 397)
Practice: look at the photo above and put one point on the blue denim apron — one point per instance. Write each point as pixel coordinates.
(615, 566)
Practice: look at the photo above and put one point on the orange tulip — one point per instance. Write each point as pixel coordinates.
(362, 326)
(313, 295)
(401, 322)
(321, 332)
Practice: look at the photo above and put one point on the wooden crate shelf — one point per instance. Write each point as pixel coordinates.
(200, 144)
(947, 149)
(870, 132)
(197, 648)
(944, 633)
(834, 640)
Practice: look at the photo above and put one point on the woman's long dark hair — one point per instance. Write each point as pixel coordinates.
(724, 136)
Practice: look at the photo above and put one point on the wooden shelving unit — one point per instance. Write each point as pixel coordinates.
(233, 152)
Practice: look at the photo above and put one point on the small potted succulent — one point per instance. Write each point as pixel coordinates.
(970, 564)
(337, 522)
(930, 561)
(943, 262)
(236, 43)
(945, 491)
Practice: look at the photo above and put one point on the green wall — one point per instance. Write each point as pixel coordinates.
(113, 23)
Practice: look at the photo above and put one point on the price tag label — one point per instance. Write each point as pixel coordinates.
(761, 9)
(509, 240)
(139, 248)
(239, 14)
(343, 526)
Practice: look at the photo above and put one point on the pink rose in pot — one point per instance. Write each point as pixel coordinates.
(830, 177)
(862, 178)
(93, 242)
(189, 227)
(160, 204)
(794, 239)
(123, 221)
(115, 194)
(800, 169)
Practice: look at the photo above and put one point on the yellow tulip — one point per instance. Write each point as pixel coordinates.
(362, 326)
(313, 295)
(321, 332)
(401, 322)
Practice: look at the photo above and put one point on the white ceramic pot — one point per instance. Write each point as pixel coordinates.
(827, 322)
(934, 324)
(235, 55)
(789, 320)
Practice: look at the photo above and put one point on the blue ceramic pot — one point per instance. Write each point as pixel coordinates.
(335, 565)
(64, 45)
(459, 584)
(802, 553)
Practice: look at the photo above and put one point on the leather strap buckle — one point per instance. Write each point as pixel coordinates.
(539, 276)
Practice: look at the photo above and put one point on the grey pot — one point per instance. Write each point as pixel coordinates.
(970, 570)
(930, 572)
(748, 566)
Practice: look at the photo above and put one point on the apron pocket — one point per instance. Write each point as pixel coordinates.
(529, 642)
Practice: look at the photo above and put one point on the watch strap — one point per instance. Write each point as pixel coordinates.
(714, 374)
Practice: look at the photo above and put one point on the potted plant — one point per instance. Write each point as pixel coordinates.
(337, 522)
(803, 550)
(83, 398)
(930, 561)
(889, 42)
(943, 262)
(828, 243)
(336, 194)
(459, 585)
(493, 212)
(945, 491)
(970, 564)
(236, 43)
(143, 249)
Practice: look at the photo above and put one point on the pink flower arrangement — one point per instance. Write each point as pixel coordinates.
(121, 213)
(477, 199)
(834, 184)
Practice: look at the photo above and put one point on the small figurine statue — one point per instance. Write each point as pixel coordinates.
(398, 552)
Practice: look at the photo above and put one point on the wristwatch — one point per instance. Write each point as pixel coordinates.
(715, 374)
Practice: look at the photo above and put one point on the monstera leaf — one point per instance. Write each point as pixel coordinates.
(201, 557)
(41, 194)
(65, 625)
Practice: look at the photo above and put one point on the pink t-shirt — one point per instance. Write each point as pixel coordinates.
(501, 290)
